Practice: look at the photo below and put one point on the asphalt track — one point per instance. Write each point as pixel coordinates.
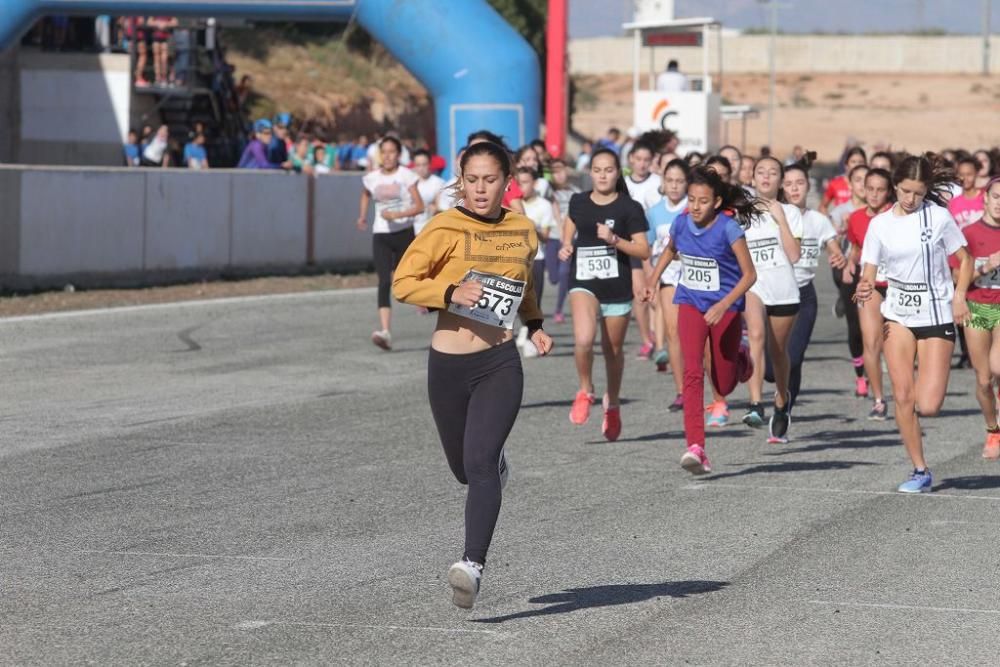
(250, 482)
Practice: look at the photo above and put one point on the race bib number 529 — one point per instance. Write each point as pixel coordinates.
(499, 303)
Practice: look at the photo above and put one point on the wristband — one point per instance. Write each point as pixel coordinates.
(448, 292)
(533, 326)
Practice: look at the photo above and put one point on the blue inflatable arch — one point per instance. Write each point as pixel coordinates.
(478, 70)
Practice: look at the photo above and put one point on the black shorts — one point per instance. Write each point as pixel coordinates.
(945, 331)
(783, 310)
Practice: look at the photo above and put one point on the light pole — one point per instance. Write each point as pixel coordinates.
(774, 6)
(986, 36)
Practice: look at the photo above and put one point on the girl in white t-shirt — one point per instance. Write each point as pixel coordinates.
(913, 241)
(773, 301)
(393, 188)
(429, 186)
(542, 212)
(818, 234)
(660, 218)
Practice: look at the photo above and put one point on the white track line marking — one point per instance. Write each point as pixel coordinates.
(160, 554)
(905, 607)
(252, 625)
(229, 300)
(853, 492)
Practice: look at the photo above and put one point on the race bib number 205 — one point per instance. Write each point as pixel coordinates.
(499, 303)
(700, 273)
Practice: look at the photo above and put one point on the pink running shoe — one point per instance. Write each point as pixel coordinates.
(646, 351)
(580, 412)
(559, 318)
(695, 461)
(718, 415)
(611, 427)
(861, 388)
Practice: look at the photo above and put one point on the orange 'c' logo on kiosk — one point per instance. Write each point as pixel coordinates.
(662, 113)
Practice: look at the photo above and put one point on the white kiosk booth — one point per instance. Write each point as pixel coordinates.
(693, 114)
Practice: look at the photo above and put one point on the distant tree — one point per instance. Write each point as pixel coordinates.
(528, 17)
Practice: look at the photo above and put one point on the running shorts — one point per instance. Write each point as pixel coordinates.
(985, 316)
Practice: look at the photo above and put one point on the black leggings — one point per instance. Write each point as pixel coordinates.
(387, 250)
(475, 399)
(852, 315)
(798, 342)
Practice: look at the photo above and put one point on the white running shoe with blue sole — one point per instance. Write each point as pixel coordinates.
(919, 482)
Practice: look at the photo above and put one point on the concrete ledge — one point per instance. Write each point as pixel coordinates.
(110, 226)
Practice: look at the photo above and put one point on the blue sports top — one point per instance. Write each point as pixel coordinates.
(710, 268)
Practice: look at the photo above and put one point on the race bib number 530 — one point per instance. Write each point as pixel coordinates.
(596, 263)
(499, 303)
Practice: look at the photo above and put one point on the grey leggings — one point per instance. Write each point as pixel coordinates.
(475, 399)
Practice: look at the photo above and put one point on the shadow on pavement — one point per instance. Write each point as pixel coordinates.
(842, 440)
(567, 403)
(573, 599)
(792, 466)
(970, 483)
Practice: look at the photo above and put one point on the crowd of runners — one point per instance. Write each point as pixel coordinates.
(713, 257)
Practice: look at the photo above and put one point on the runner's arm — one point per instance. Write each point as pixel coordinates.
(415, 280)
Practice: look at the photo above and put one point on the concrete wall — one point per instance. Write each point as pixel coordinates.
(795, 53)
(130, 226)
(63, 108)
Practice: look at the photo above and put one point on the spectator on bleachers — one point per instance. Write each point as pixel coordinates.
(359, 154)
(138, 36)
(155, 153)
(302, 156)
(162, 26)
(344, 150)
(255, 154)
(133, 153)
(278, 148)
(195, 155)
(321, 159)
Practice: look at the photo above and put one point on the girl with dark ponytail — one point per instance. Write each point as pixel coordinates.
(914, 241)
(603, 234)
(716, 272)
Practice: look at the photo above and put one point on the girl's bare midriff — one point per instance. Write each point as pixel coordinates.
(459, 335)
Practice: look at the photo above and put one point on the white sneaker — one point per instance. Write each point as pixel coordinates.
(504, 469)
(464, 577)
(382, 339)
(522, 337)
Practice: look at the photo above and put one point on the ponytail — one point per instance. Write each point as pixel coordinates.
(931, 169)
(621, 187)
(735, 199)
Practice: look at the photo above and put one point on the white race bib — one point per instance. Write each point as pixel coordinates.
(500, 301)
(908, 299)
(989, 281)
(809, 256)
(767, 253)
(700, 273)
(596, 263)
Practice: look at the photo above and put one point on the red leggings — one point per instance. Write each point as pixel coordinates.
(727, 363)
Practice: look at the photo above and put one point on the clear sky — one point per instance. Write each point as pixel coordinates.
(590, 18)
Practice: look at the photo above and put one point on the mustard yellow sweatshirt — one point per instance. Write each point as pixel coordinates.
(457, 241)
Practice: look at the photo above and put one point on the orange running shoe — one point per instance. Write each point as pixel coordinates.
(991, 450)
(580, 412)
(611, 427)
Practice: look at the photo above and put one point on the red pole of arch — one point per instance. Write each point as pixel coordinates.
(556, 79)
